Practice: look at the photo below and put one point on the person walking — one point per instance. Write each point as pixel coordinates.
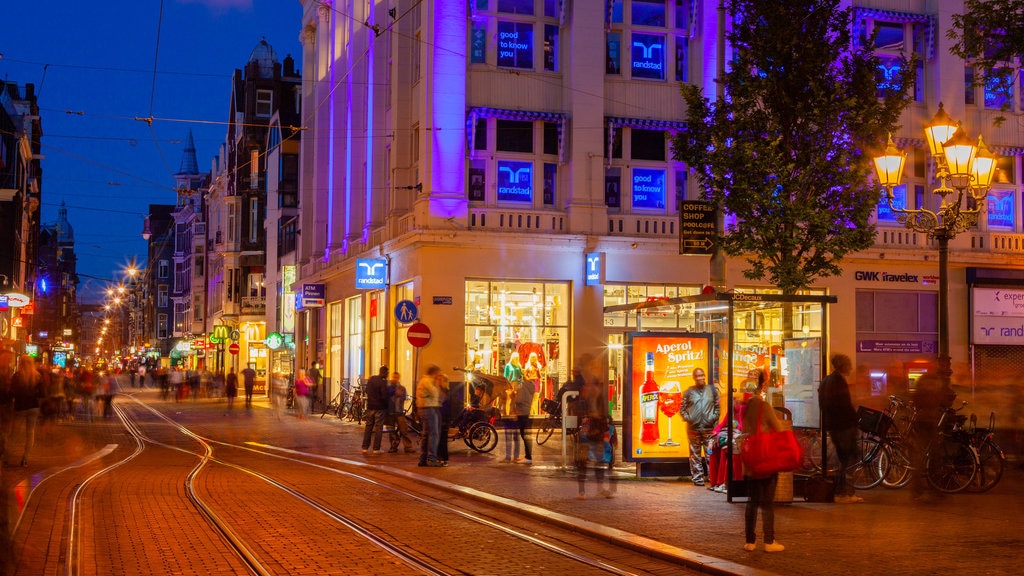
(376, 395)
(523, 404)
(701, 410)
(303, 385)
(231, 388)
(27, 390)
(596, 436)
(278, 393)
(758, 414)
(930, 398)
(839, 420)
(6, 399)
(396, 409)
(430, 392)
(249, 383)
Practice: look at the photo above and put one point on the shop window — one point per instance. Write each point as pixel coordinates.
(478, 43)
(514, 136)
(648, 56)
(648, 13)
(515, 45)
(506, 321)
(1000, 209)
(647, 145)
(648, 188)
(515, 181)
(477, 180)
(613, 53)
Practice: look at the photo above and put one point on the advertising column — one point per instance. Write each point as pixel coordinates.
(660, 367)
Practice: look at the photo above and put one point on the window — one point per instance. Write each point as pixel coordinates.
(256, 288)
(648, 145)
(515, 181)
(682, 14)
(551, 48)
(682, 59)
(163, 269)
(515, 45)
(551, 138)
(612, 187)
(254, 219)
(232, 210)
(514, 136)
(680, 187)
(895, 39)
(550, 182)
(648, 13)
(161, 326)
(161, 296)
(613, 54)
(969, 85)
(1000, 209)
(999, 89)
(478, 43)
(648, 56)
(480, 135)
(254, 169)
(524, 7)
(899, 201)
(264, 103)
(477, 180)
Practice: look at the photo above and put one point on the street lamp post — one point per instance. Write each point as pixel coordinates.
(964, 170)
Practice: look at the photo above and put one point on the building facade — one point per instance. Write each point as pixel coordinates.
(58, 323)
(466, 157)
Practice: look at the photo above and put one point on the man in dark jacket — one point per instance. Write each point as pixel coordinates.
(839, 419)
(700, 410)
(376, 391)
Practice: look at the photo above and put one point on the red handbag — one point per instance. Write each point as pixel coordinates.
(765, 453)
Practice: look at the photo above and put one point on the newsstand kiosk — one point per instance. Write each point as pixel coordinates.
(730, 337)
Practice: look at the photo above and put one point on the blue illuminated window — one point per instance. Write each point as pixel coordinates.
(516, 6)
(515, 45)
(550, 180)
(648, 13)
(648, 188)
(551, 48)
(899, 201)
(1000, 209)
(999, 89)
(613, 54)
(515, 181)
(888, 71)
(648, 56)
(682, 59)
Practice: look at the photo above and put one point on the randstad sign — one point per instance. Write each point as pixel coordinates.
(371, 273)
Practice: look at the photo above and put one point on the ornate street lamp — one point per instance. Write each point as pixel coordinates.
(964, 170)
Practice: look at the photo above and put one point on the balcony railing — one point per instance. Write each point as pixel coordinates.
(254, 304)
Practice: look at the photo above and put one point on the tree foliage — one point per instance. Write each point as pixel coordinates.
(787, 150)
(990, 34)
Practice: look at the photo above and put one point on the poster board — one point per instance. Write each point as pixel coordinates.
(801, 377)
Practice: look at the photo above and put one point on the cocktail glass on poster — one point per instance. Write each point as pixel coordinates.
(670, 399)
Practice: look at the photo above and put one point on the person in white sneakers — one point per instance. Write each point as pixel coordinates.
(760, 491)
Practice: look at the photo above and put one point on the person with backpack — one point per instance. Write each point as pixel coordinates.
(27, 390)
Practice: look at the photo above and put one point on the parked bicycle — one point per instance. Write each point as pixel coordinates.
(991, 458)
(951, 458)
(552, 422)
(476, 430)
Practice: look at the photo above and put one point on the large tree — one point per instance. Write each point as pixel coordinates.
(990, 34)
(787, 149)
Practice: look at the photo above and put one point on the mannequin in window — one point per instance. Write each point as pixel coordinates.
(532, 370)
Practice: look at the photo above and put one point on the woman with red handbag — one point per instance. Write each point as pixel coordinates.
(758, 414)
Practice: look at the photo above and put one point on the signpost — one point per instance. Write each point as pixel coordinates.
(418, 335)
(697, 227)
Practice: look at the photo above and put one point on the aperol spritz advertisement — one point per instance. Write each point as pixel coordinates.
(660, 367)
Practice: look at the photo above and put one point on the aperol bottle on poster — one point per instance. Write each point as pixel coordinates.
(649, 404)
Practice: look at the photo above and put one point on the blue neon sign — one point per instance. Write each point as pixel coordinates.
(515, 181)
(648, 188)
(648, 56)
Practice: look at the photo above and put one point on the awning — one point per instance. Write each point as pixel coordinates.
(640, 123)
(557, 118)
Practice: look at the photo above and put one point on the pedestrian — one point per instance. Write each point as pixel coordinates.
(396, 408)
(839, 420)
(249, 383)
(701, 410)
(316, 378)
(84, 389)
(524, 402)
(231, 388)
(6, 399)
(430, 392)
(930, 398)
(109, 391)
(27, 389)
(376, 396)
(596, 436)
(279, 393)
(303, 385)
(176, 378)
(760, 491)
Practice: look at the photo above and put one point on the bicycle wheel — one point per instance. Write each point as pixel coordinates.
(991, 461)
(482, 437)
(950, 465)
(864, 473)
(812, 455)
(547, 428)
(895, 460)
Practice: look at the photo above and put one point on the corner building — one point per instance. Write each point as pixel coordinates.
(480, 152)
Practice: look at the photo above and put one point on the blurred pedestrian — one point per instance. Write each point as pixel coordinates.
(376, 395)
(28, 390)
(524, 402)
(430, 393)
(176, 378)
(758, 414)
(6, 399)
(231, 388)
(596, 436)
(303, 385)
(278, 393)
(930, 398)
(396, 408)
(701, 410)
(109, 390)
(839, 419)
(249, 384)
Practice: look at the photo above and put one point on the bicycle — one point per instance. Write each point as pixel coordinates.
(991, 458)
(879, 433)
(334, 406)
(951, 459)
(552, 422)
(477, 431)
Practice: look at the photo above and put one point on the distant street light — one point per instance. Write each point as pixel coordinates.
(963, 169)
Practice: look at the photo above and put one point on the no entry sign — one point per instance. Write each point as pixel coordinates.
(418, 335)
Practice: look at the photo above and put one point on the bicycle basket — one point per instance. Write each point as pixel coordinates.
(873, 422)
(549, 406)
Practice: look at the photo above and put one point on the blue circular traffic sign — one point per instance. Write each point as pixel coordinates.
(406, 312)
